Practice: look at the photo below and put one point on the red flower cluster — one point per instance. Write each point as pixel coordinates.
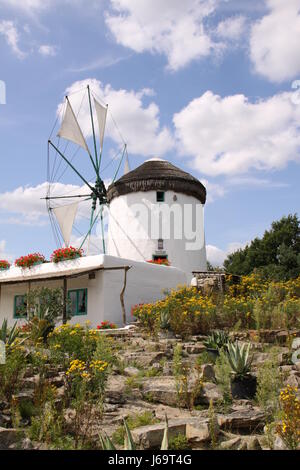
(161, 261)
(106, 325)
(4, 264)
(63, 254)
(30, 260)
(134, 307)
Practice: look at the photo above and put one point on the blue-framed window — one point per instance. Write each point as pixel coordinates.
(77, 302)
(20, 306)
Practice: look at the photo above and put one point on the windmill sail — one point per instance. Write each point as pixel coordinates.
(101, 117)
(70, 129)
(126, 166)
(65, 216)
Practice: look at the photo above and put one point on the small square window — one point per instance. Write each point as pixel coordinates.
(160, 244)
(20, 307)
(160, 196)
(78, 302)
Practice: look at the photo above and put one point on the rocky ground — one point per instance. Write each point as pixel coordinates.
(145, 383)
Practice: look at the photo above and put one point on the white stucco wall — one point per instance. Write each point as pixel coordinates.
(145, 283)
(132, 235)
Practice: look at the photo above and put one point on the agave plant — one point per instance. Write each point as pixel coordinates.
(164, 320)
(8, 336)
(217, 340)
(129, 444)
(239, 360)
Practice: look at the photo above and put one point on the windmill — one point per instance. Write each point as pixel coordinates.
(69, 154)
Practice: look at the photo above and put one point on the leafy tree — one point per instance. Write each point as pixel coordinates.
(276, 255)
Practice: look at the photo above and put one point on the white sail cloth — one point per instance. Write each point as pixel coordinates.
(70, 129)
(101, 118)
(65, 216)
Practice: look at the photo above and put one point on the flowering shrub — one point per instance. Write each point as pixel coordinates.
(4, 265)
(253, 303)
(106, 325)
(289, 428)
(77, 341)
(63, 254)
(30, 260)
(160, 261)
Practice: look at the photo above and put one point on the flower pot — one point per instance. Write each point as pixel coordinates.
(244, 387)
(212, 353)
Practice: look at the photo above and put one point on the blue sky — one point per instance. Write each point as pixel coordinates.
(206, 84)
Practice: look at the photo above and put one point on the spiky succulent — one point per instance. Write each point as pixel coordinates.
(217, 340)
(239, 360)
(107, 444)
(7, 335)
(164, 320)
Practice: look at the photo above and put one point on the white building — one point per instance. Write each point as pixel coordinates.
(156, 211)
(105, 287)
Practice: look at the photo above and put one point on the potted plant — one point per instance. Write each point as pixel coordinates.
(160, 261)
(64, 254)
(106, 325)
(4, 265)
(243, 383)
(216, 341)
(30, 260)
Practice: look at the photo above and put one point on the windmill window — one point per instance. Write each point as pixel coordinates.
(160, 196)
(20, 307)
(77, 302)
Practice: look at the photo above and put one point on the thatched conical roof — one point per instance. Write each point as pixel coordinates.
(157, 175)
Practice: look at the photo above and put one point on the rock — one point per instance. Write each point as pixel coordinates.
(260, 358)
(282, 337)
(143, 359)
(161, 390)
(9, 437)
(279, 444)
(296, 344)
(150, 437)
(209, 392)
(192, 348)
(231, 444)
(253, 443)
(198, 431)
(31, 382)
(208, 373)
(297, 366)
(26, 395)
(26, 444)
(248, 419)
(5, 421)
(131, 371)
(293, 380)
(116, 389)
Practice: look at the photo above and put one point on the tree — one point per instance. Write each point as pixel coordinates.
(276, 255)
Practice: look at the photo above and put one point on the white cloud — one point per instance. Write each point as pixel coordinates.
(9, 30)
(231, 28)
(47, 50)
(26, 5)
(138, 122)
(3, 252)
(232, 135)
(174, 28)
(214, 190)
(28, 204)
(216, 256)
(274, 41)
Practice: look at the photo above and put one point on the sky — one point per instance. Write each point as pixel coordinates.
(212, 86)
